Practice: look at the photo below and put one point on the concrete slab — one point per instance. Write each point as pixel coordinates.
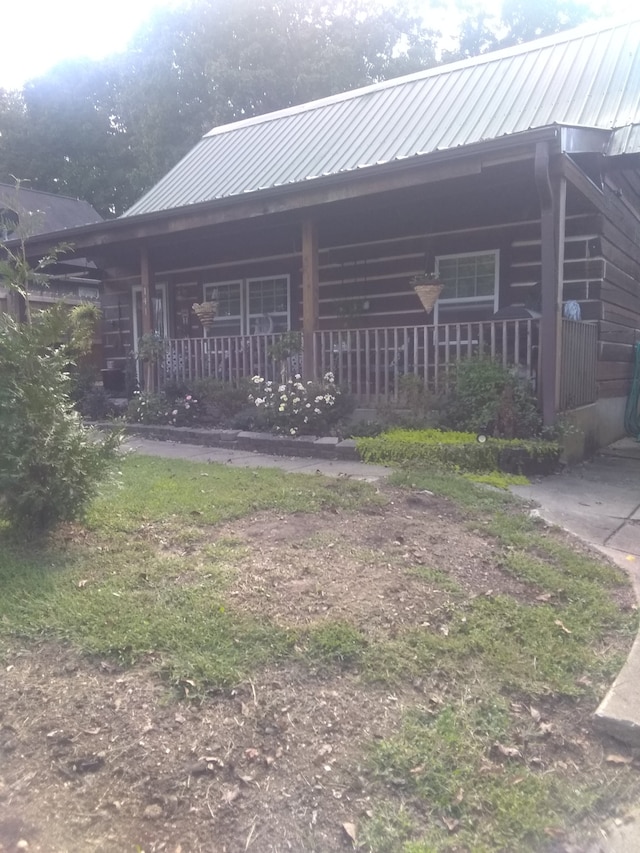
(250, 459)
(627, 538)
(619, 712)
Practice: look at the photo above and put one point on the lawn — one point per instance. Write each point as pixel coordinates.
(222, 659)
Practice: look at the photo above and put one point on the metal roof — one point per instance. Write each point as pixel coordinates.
(585, 78)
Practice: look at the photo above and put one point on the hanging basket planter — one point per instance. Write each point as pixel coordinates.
(206, 312)
(428, 291)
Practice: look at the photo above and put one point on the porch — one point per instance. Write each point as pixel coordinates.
(368, 363)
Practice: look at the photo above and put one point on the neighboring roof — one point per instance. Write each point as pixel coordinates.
(584, 78)
(40, 213)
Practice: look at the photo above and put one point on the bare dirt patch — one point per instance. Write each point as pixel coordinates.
(381, 573)
(96, 759)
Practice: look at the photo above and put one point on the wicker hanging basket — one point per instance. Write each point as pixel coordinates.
(428, 293)
(206, 312)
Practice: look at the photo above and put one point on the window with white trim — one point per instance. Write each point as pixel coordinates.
(251, 306)
(469, 278)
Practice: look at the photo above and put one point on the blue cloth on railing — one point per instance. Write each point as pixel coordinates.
(571, 310)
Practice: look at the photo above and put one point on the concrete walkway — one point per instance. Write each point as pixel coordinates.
(251, 459)
(598, 501)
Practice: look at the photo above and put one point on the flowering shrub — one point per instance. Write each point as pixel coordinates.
(184, 411)
(295, 408)
(145, 408)
(158, 409)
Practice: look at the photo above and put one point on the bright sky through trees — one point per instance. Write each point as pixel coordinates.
(36, 34)
(39, 33)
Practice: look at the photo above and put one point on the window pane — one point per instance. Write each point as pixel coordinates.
(468, 276)
(228, 298)
(268, 296)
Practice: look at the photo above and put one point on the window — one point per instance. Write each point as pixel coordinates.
(249, 307)
(468, 278)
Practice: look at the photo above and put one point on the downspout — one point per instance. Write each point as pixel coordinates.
(549, 356)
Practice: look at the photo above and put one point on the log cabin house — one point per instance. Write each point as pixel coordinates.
(513, 177)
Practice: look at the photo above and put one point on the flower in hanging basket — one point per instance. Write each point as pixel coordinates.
(427, 288)
(206, 312)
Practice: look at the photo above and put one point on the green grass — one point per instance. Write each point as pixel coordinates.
(444, 761)
(146, 581)
(176, 492)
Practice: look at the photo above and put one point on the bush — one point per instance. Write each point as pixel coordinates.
(460, 451)
(158, 408)
(148, 408)
(50, 464)
(295, 408)
(484, 396)
(224, 399)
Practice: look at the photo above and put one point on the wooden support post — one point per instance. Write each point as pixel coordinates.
(552, 221)
(147, 282)
(310, 301)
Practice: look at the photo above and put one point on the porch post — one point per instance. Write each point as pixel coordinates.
(310, 303)
(552, 224)
(147, 283)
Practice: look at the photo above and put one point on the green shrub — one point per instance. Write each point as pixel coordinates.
(50, 464)
(460, 451)
(226, 399)
(484, 396)
(148, 408)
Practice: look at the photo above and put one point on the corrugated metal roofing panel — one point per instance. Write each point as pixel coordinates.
(625, 140)
(587, 78)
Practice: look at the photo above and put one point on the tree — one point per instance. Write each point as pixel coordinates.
(61, 135)
(107, 131)
(50, 465)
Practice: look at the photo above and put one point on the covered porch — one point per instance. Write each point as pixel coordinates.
(368, 363)
(371, 363)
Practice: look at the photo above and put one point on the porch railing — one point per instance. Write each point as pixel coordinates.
(578, 386)
(369, 363)
(228, 358)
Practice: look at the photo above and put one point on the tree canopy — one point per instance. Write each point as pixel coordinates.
(106, 131)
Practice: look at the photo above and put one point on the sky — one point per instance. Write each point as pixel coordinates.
(37, 34)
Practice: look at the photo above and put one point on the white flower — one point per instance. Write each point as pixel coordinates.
(292, 431)
(259, 401)
(319, 398)
(297, 376)
(174, 412)
(329, 377)
(282, 388)
(295, 400)
(281, 407)
(308, 405)
(256, 379)
(317, 411)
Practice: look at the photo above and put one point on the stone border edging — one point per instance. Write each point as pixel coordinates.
(306, 446)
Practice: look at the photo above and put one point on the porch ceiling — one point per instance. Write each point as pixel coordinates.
(445, 205)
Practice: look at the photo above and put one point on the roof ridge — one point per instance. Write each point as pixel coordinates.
(594, 27)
